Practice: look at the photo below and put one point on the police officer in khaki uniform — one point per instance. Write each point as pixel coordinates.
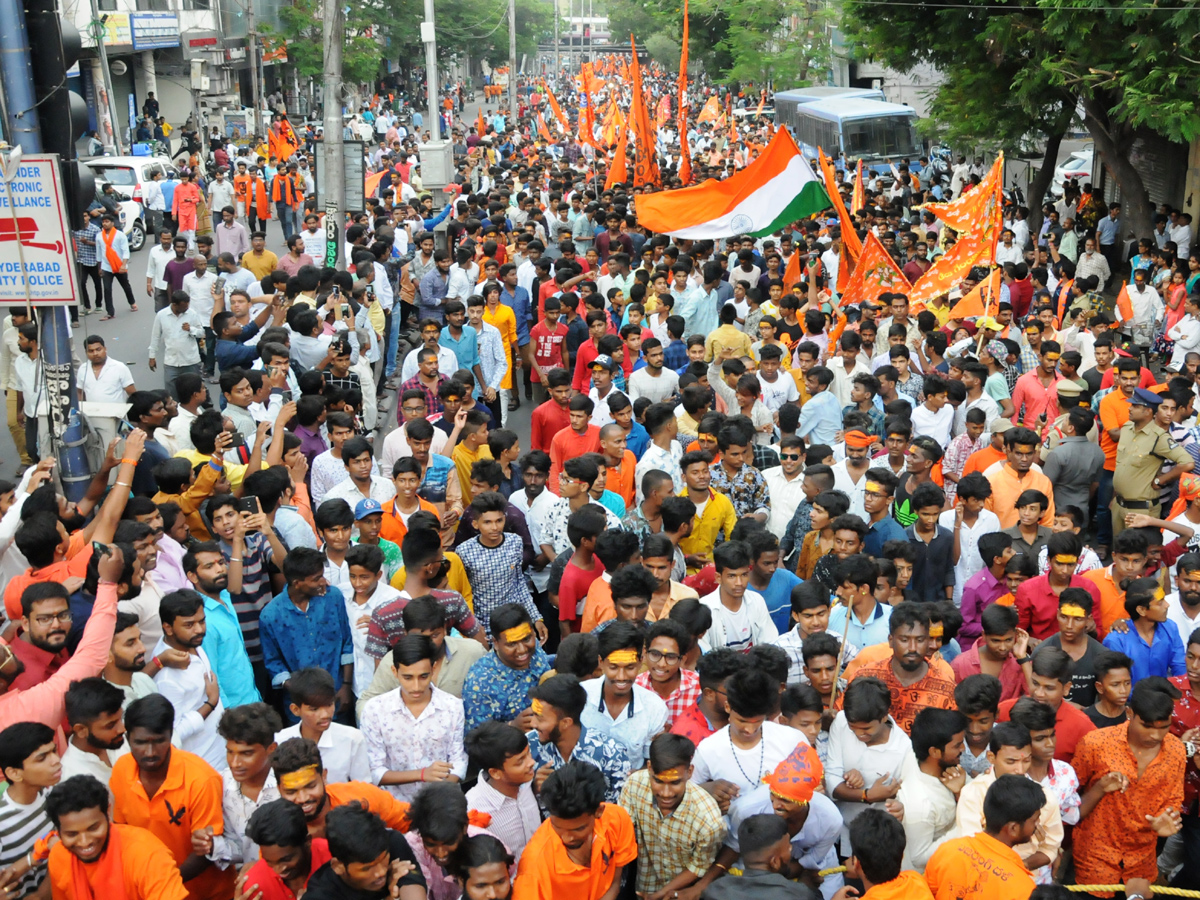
(1070, 394)
(1141, 452)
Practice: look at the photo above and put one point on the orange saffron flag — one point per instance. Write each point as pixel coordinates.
(875, 274)
(685, 153)
(284, 143)
(980, 300)
(711, 111)
(618, 171)
(543, 131)
(978, 210)
(480, 124)
(950, 268)
(793, 273)
(858, 199)
(645, 167)
(849, 235)
(555, 108)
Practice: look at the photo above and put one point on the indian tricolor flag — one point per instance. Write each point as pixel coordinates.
(773, 191)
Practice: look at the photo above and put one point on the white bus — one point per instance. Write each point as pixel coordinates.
(876, 132)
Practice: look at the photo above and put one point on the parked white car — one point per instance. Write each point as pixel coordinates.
(1077, 167)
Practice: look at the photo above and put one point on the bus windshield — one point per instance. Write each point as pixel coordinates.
(880, 136)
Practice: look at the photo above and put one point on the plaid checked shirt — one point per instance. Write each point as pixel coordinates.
(682, 699)
(85, 254)
(496, 576)
(687, 840)
(431, 396)
(956, 457)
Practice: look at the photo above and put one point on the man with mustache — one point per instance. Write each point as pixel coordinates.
(207, 570)
(45, 623)
(95, 711)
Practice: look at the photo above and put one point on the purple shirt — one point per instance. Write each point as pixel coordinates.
(981, 591)
(312, 444)
(174, 271)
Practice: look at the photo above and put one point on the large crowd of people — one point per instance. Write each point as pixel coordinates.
(782, 597)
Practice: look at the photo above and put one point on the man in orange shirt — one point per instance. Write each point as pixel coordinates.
(981, 460)
(1131, 784)
(620, 462)
(582, 437)
(406, 476)
(1129, 555)
(985, 866)
(1114, 413)
(582, 847)
(95, 858)
(301, 777)
(878, 840)
(1016, 475)
(171, 793)
(53, 555)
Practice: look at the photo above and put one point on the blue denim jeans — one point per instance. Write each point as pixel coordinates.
(1104, 496)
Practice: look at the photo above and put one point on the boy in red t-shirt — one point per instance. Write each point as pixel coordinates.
(547, 337)
(580, 571)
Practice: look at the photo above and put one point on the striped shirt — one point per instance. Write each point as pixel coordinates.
(256, 588)
(20, 828)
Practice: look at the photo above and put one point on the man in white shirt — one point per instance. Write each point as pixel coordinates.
(221, 192)
(179, 329)
(740, 616)
(33, 395)
(103, 380)
(653, 380)
(156, 265)
(154, 202)
(95, 710)
(1183, 604)
(1181, 234)
(929, 792)
(1008, 250)
(866, 765)
(193, 691)
(314, 238)
(785, 482)
(934, 417)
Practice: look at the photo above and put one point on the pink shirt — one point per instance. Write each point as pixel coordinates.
(1037, 399)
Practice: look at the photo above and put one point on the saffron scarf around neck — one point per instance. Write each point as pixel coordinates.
(108, 872)
(114, 258)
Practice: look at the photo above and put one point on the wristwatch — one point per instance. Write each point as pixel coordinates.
(1021, 662)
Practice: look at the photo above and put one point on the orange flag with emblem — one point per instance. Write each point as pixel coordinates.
(950, 268)
(711, 111)
(980, 300)
(978, 210)
(543, 131)
(875, 274)
(618, 171)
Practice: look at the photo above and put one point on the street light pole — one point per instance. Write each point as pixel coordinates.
(512, 60)
(252, 45)
(333, 146)
(429, 38)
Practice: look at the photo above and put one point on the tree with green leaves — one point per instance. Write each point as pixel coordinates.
(1013, 72)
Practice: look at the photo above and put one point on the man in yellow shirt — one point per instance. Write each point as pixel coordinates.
(714, 512)
(728, 342)
(503, 319)
(260, 261)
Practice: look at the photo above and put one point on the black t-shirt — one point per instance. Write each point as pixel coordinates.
(789, 334)
(326, 885)
(1103, 721)
(1093, 377)
(1083, 675)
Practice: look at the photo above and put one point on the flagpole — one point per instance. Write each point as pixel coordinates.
(987, 305)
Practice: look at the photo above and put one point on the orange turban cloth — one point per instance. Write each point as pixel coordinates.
(858, 439)
(797, 777)
(1189, 490)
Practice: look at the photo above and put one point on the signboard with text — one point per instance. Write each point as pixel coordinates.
(356, 176)
(35, 239)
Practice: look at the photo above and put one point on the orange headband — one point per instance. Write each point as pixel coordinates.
(517, 633)
(1070, 610)
(858, 439)
(293, 781)
(623, 657)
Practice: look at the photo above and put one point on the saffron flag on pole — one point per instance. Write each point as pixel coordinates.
(978, 301)
(849, 235)
(618, 171)
(543, 131)
(858, 199)
(711, 111)
(775, 190)
(685, 153)
(555, 108)
(979, 209)
(875, 274)
(645, 167)
(950, 268)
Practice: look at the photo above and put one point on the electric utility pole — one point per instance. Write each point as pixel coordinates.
(512, 61)
(334, 148)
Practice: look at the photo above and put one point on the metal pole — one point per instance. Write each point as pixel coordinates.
(557, 63)
(334, 149)
(512, 60)
(98, 33)
(252, 42)
(429, 36)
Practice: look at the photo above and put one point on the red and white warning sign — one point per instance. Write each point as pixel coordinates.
(35, 238)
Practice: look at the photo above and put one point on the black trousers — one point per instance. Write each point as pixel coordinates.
(123, 279)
